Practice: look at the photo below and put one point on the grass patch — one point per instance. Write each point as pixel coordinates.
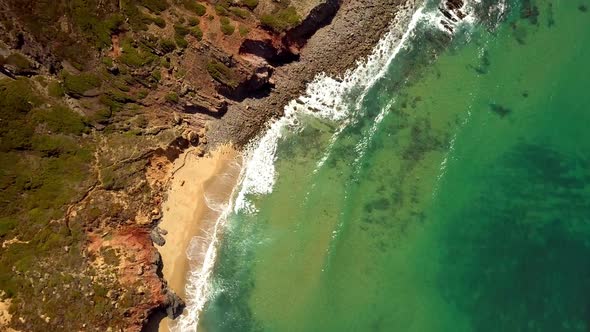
(195, 7)
(173, 98)
(197, 33)
(249, 3)
(76, 85)
(222, 73)
(167, 45)
(239, 12)
(226, 27)
(282, 20)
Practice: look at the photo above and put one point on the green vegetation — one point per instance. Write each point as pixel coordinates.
(181, 30)
(221, 10)
(60, 119)
(172, 97)
(135, 56)
(195, 7)
(222, 73)
(244, 31)
(193, 21)
(76, 85)
(239, 12)
(155, 6)
(17, 60)
(167, 45)
(55, 90)
(197, 33)
(250, 3)
(282, 20)
(160, 22)
(180, 41)
(226, 27)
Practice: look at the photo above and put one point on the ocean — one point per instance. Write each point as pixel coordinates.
(443, 185)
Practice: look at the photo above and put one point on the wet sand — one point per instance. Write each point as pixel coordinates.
(198, 189)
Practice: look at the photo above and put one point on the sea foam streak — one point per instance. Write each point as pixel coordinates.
(325, 98)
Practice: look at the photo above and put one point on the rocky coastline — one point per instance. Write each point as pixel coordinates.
(218, 88)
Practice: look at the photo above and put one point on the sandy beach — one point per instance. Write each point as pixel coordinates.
(198, 189)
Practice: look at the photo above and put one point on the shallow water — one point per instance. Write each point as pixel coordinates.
(453, 197)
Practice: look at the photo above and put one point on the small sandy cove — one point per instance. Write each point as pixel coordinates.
(186, 214)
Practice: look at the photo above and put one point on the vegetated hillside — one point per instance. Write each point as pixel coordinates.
(97, 98)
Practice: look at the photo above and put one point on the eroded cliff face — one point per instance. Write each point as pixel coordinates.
(97, 99)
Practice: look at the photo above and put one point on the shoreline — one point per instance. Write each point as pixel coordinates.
(189, 213)
(244, 121)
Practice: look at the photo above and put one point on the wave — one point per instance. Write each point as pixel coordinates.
(326, 98)
(333, 99)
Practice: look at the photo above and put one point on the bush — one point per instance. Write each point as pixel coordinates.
(181, 30)
(167, 45)
(195, 7)
(155, 6)
(180, 41)
(160, 22)
(60, 119)
(172, 97)
(250, 3)
(17, 60)
(193, 21)
(221, 10)
(226, 27)
(221, 73)
(76, 85)
(6, 225)
(197, 33)
(239, 12)
(55, 90)
(135, 57)
(244, 31)
(281, 20)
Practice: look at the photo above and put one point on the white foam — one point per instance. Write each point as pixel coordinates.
(325, 98)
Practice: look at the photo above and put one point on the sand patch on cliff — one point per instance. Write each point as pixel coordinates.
(189, 210)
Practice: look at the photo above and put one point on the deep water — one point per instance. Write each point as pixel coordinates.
(455, 198)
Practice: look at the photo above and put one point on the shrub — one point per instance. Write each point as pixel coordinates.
(181, 30)
(135, 57)
(193, 21)
(180, 41)
(172, 97)
(197, 33)
(167, 45)
(78, 84)
(155, 6)
(55, 89)
(6, 225)
(17, 60)
(157, 75)
(281, 20)
(220, 10)
(160, 22)
(195, 7)
(61, 119)
(228, 29)
(250, 3)
(239, 12)
(221, 73)
(244, 31)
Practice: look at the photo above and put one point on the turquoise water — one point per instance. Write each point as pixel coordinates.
(457, 197)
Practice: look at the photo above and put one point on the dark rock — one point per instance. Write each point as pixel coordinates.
(157, 238)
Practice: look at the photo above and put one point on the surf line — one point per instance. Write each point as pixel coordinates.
(325, 98)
